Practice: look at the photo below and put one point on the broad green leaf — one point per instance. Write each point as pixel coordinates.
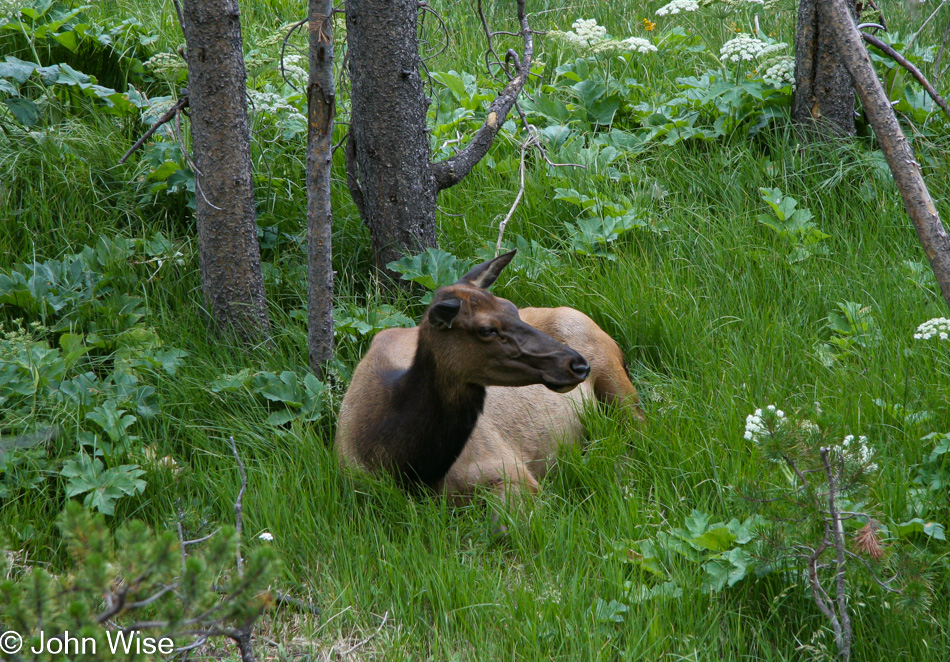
(933, 530)
(24, 110)
(609, 612)
(16, 69)
(231, 383)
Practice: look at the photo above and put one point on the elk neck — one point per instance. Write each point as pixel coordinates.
(436, 411)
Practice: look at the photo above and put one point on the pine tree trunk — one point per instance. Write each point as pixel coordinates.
(227, 233)
(824, 94)
(320, 111)
(388, 152)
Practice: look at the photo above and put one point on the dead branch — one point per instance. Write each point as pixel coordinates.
(514, 205)
(451, 171)
(239, 507)
(914, 71)
(283, 47)
(179, 105)
(900, 157)
(841, 586)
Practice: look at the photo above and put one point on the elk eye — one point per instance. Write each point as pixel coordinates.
(487, 331)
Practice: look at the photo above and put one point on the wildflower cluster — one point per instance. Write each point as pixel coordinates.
(587, 34)
(166, 65)
(781, 72)
(760, 4)
(678, 6)
(745, 47)
(938, 327)
(271, 103)
(293, 71)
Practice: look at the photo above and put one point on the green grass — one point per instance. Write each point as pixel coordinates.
(712, 320)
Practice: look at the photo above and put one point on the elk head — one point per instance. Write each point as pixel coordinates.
(480, 338)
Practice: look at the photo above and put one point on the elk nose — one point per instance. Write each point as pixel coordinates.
(580, 367)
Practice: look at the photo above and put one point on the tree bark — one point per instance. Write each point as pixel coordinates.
(897, 150)
(389, 143)
(320, 112)
(227, 233)
(389, 173)
(823, 94)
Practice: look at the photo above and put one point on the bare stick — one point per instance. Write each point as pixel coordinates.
(169, 114)
(238, 507)
(514, 205)
(283, 47)
(914, 71)
(841, 586)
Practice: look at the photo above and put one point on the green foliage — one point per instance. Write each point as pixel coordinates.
(709, 315)
(795, 227)
(292, 398)
(38, 94)
(81, 369)
(143, 577)
(432, 269)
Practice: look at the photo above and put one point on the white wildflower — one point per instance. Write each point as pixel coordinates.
(294, 71)
(165, 64)
(738, 4)
(781, 72)
(269, 537)
(746, 47)
(270, 103)
(677, 6)
(938, 327)
(638, 45)
(588, 30)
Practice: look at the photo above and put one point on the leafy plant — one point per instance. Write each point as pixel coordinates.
(795, 227)
(102, 486)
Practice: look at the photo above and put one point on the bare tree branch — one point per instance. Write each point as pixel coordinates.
(841, 586)
(451, 171)
(914, 71)
(166, 117)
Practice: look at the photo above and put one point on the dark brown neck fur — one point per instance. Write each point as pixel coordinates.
(431, 419)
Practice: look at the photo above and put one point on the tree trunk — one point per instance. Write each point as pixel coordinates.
(388, 151)
(897, 151)
(824, 94)
(227, 233)
(320, 111)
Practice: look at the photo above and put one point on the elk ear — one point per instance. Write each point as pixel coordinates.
(442, 314)
(487, 273)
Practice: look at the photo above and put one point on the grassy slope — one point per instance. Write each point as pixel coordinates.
(711, 332)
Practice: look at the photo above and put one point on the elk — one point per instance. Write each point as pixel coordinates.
(480, 394)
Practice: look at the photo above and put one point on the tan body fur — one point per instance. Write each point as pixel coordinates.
(516, 438)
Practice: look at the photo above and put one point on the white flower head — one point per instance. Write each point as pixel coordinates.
(588, 30)
(266, 536)
(638, 45)
(745, 47)
(678, 6)
(780, 72)
(938, 327)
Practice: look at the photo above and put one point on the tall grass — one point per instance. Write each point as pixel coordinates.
(713, 322)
